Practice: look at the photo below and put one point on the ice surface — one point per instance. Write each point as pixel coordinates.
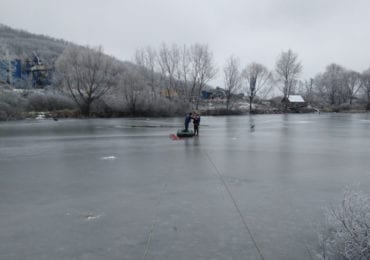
(168, 197)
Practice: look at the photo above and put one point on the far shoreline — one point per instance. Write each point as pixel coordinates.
(56, 115)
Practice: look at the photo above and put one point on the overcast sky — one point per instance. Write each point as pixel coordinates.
(320, 31)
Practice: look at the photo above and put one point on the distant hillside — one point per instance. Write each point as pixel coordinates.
(22, 44)
(22, 52)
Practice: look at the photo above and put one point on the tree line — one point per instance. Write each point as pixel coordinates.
(174, 74)
(169, 80)
(177, 75)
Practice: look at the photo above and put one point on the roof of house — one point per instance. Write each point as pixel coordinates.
(295, 98)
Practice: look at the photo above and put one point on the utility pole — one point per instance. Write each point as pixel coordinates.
(252, 85)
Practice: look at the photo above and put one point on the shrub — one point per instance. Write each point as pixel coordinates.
(347, 232)
(161, 106)
(49, 101)
(222, 112)
(165, 107)
(12, 106)
(65, 113)
(341, 108)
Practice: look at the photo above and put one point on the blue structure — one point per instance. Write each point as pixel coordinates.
(10, 71)
(18, 73)
(206, 94)
(213, 93)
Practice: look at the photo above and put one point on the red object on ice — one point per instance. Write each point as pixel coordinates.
(174, 137)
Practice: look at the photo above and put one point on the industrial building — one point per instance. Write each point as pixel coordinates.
(27, 73)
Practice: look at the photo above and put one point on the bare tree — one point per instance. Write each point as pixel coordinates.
(288, 69)
(169, 62)
(182, 72)
(202, 70)
(258, 79)
(331, 84)
(307, 90)
(87, 74)
(353, 83)
(147, 59)
(365, 78)
(232, 78)
(132, 88)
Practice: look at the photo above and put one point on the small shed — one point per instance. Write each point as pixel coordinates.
(294, 101)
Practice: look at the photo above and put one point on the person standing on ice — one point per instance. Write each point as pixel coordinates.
(188, 118)
(196, 122)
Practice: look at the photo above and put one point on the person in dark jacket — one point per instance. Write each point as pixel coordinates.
(188, 118)
(196, 122)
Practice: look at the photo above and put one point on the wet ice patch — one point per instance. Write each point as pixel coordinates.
(108, 158)
(85, 215)
(90, 217)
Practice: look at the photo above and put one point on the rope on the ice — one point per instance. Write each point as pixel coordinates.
(236, 205)
(151, 231)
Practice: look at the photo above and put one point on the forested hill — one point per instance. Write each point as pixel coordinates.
(22, 44)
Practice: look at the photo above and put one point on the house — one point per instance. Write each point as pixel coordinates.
(217, 93)
(294, 102)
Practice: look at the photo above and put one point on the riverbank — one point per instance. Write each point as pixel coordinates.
(21, 104)
(76, 114)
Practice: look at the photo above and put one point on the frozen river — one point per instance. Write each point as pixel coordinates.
(122, 189)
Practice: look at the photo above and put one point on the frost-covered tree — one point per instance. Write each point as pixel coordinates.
(147, 60)
(365, 79)
(258, 81)
(288, 69)
(183, 71)
(132, 87)
(12, 105)
(168, 60)
(353, 84)
(232, 79)
(87, 74)
(3, 52)
(22, 44)
(332, 84)
(307, 89)
(202, 70)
